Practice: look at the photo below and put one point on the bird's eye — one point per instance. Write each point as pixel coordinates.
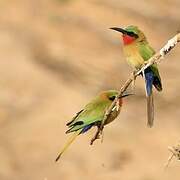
(112, 98)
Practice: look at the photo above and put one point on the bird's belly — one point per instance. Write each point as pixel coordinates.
(135, 62)
(133, 57)
(112, 116)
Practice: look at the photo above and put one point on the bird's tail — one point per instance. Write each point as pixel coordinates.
(150, 110)
(149, 79)
(72, 138)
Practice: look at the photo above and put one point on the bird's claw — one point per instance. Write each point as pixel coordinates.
(117, 105)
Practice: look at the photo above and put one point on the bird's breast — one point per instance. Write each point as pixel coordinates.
(133, 56)
(112, 116)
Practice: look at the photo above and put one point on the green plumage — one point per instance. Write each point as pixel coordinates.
(93, 112)
(147, 52)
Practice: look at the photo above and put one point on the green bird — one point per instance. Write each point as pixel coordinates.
(137, 51)
(92, 115)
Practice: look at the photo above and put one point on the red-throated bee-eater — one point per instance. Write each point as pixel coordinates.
(92, 115)
(137, 50)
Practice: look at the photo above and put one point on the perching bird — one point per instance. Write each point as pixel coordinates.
(92, 115)
(137, 50)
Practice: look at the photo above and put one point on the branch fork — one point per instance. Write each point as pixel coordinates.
(175, 152)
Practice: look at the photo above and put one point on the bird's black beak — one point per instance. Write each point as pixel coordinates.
(119, 30)
(126, 94)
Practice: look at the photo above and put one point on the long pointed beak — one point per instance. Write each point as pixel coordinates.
(119, 30)
(126, 94)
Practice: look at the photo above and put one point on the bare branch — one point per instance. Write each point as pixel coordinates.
(154, 59)
(175, 152)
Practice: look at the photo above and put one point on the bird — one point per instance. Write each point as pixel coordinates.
(92, 115)
(137, 51)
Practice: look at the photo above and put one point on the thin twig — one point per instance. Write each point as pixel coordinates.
(154, 59)
(175, 152)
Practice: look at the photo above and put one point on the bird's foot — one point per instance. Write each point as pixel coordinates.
(117, 105)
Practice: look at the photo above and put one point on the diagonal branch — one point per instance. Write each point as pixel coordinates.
(154, 59)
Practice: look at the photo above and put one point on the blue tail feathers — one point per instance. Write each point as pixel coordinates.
(149, 79)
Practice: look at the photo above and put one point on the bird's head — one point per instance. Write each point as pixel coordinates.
(130, 34)
(112, 94)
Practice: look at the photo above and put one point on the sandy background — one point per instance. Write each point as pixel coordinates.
(55, 56)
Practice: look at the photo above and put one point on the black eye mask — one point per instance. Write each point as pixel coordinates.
(112, 98)
(132, 34)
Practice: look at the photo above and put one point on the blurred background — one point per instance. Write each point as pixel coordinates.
(56, 55)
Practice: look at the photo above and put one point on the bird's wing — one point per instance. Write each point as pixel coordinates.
(147, 52)
(75, 117)
(91, 114)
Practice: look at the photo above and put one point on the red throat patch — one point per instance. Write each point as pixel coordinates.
(128, 39)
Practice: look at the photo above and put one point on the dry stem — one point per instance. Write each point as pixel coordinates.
(175, 152)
